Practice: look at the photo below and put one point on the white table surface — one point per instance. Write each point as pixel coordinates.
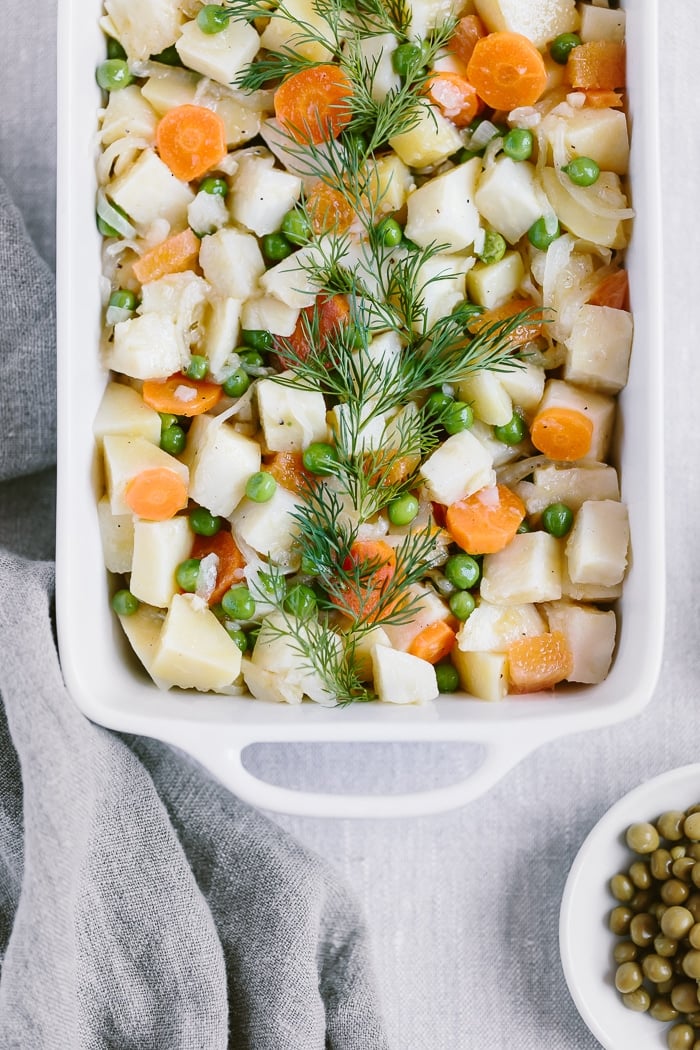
(463, 907)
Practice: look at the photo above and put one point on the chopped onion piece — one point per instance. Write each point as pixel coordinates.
(112, 217)
(115, 314)
(206, 578)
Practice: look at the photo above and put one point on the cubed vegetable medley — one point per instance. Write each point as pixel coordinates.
(366, 317)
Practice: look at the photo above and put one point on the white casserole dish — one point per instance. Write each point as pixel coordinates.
(100, 672)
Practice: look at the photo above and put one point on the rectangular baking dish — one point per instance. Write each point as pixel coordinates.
(100, 672)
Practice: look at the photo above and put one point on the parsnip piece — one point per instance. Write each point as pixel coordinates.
(540, 21)
(145, 347)
(117, 535)
(429, 608)
(442, 211)
(127, 113)
(598, 349)
(459, 467)
(432, 140)
(291, 418)
(482, 675)
(159, 547)
(269, 314)
(487, 396)
(590, 634)
(123, 411)
(143, 629)
(124, 458)
(232, 263)
(527, 570)
(601, 23)
(508, 197)
(400, 678)
(269, 528)
(582, 221)
(285, 31)
(194, 650)
(145, 30)
(262, 194)
(149, 191)
(596, 549)
(570, 485)
(525, 385)
(277, 653)
(494, 284)
(599, 408)
(492, 628)
(221, 460)
(601, 134)
(219, 56)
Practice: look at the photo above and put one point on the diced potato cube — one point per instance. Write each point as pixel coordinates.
(263, 194)
(587, 592)
(145, 31)
(362, 655)
(482, 675)
(371, 433)
(598, 349)
(125, 457)
(117, 535)
(285, 31)
(127, 113)
(599, 408)
(527, 570)
(221, 461)
(596, 549)
(145, 347)
(269, 686)
(590, 634)
(168, 87)
(442, 211)
(400, 678)
(289, 281)
(143, 629)
(459, 467)
(291, 418)
(487, 396)
(601, 134)
(277, 652)
(123, 411)
(377, 54)
(539, 22)
(525, 385)
(222, 329)
(442, 279)
(429, 608)
(391, 182)
(493, 628)
(569, 485)
(159, 547)
(508, 197)
(269, 528)
(149, 191)
(219, 56)
(232, 263)
(492, 284)
(601, 23)
(207, 213)
(194, 650)
(241, 123)
(581, 220)
(431, 14)
(432, 140)
(269, 314)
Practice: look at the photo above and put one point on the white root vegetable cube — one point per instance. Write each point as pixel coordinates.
(241, 123)
(284, 31)
(442, 279)
(207, 213)
(482, 675)
(194, 650)
(487, 396)
(539, 22)
(602, 23)
(400, 678)
(493, 628)
(271, 687)
(377, 54)
(168, 87)
(127, 113)
(580, 219)
(289, 281)
(527, 570)
(123, 411)
(570, 485)
(145, 347)
(219, 56)
(117, 535)
(221, 331)
(159, 547)
(590, 635)
(587, 592)
(429, 609)
(490, 285)
(362, 655)
(601, 134)
(277, 652)
(429, 14)
(125, 457)
(291, 418)
(599, 408)
(596, 549)
(390, 183)
(508, 197)
(149, 191)
(525, 385)
(371, 434)
(263, 194)
(269, 314)
(442, 211)
(269, 528)
(459, 467)
(432, 140)
(143, 629)
(145, 30)
(221, 460)
(498, 450)
(232, 263)
(598, 349)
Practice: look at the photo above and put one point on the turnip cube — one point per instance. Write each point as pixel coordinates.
(123, 411)
(487, 396)
(570, 485)
(390, 183)
(490, 285)
(601, 134)
(117, 535)
(590, 634)
(400, 678)
(125, 457)
(269, 528)
(598, 349)
(482, 675)
(508, 197)
(527, 570)
(459, 467)
(291, 418)
(145, 347)
(540, 21)
(442, 211)
(442, 279)
(525, 385)
(127, 113)
(232, 263)
(362, 655)
(432, 140)
(431, 14)
(587, 592)
(219, 56)
(429, 609)
(596, 550)
(159, 547)
(493, 628)
(276, 651)
(289, 281)
(207, 213)
(168, 87)
(194, 650)
(148, 190)
(599, 408)
(221, 461)
(262, 194)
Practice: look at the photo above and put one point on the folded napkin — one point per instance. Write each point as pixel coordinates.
(141, 905)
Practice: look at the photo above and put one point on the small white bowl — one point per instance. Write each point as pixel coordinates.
(584, 938)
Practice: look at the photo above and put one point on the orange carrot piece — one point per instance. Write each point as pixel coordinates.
(524, 333)
(180, 395)
(434, 642)
(332, 312)
(486, 521)
(562, 433)
(363, 601)
(507, 70)
(399, 467)
(314, 104)
(539, 662)
(231, 561)
(599, 64)
(604, 99)
(467, 32)
(191, 140)
(156, 494)
(287, 468)
(174, 255)
(328, 210)
(612, 291)
(454, 96)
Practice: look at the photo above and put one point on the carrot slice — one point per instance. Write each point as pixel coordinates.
(507, 70)
(539, 662)
(467, 32)
(174, 255)
(328, 210)
(287, 468)
(604, 99)
(332, 313)
(612, 291)
(434, 642)
(363, 601)
(156, 494)
(388, 468)
(231, 561)
(314, 104)
(180, 395)
(191, 140)
(562, 433)
(599, 64)
(524, 333)
(486, 521)
(454, 96)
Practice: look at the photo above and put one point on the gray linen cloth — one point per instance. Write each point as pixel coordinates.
(141, 905)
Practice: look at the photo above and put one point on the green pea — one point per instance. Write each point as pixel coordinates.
(173, 440)
(518, 144)
(236, 384)
(465, 312)
(524, 526)
(187, 574)
(276, 247)
(462, 604)
(583, 171)
(236, 635)
(438, 403)
(389, 233)
(113, 74)
(462, 571)
(238, 603)
(169, 56)
(261, 487)
(540, 237)
(459, 416)
(320, 458)
(468, 154)
(251, 361)
(403, 510)
(123, 299)
(358, 336)
(511, 433)
(557, 519)
(494, 247)
(562, 46)
(214, 185)
(203, 522)
(125, 603)
(114, 48)
(257, 339)
(197, 368)
(407, 58)
(447, 677)
(212, 18)
(167, 419)
(296, 227)
(301, 601)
